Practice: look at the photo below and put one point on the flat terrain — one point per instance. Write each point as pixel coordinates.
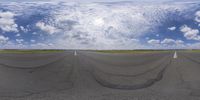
(89, 75)
(29, 51)
(131, 51)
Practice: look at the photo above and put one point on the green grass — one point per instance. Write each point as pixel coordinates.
(191, 50)
(30, 51)
(131, 51)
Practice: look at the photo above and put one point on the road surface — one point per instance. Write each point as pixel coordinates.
(84, 75)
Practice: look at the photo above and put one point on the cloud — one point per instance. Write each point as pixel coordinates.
(46, 28)
(7, 22)
(23, 29)
(153, 41)
(189, 33)
(19, 40)
(43, 46)
(3, 39)
(179, 42)
(137, 1)
(193, 45)
(166, 43)
(172, 28)
(171, 41)
(34, 33)
(197, 16)
(17, 35)
(32, 41)
(92, 25)
(116, 25)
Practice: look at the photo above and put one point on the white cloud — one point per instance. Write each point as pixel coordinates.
(189, 33)
(17, 35)
(95, 25)
(43, 46)
(34, 33)
(194, 45)
(99, 22)
(111, 26)
(172, 28)
(3, 39)
(23, 29)
(169, 41)
(7, 22)
(166, 43)
(153, 41)
(197, 16)
(19, 40)
(179, 42)
(33, 41)
(46, 28)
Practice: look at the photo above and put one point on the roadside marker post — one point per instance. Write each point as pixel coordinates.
(175, 55)
(75, 54)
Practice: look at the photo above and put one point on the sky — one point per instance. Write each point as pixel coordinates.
(98, 0)
(75, 0)
(93, 24)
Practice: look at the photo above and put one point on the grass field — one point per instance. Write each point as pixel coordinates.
(131, 51)
(30, 51)
(191, 51)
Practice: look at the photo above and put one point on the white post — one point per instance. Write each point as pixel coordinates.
(75, 53)
(175, 55)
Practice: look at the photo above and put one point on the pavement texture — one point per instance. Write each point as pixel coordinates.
(100, 76)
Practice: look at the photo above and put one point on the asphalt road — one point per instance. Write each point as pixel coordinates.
(100, 76)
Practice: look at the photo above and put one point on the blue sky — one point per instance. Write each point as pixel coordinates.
(100, 0)
(92, 25)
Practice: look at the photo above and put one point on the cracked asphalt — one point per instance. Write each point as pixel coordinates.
(100, 76)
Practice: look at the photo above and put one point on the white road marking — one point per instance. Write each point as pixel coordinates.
(175, 55)
(75, 54)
